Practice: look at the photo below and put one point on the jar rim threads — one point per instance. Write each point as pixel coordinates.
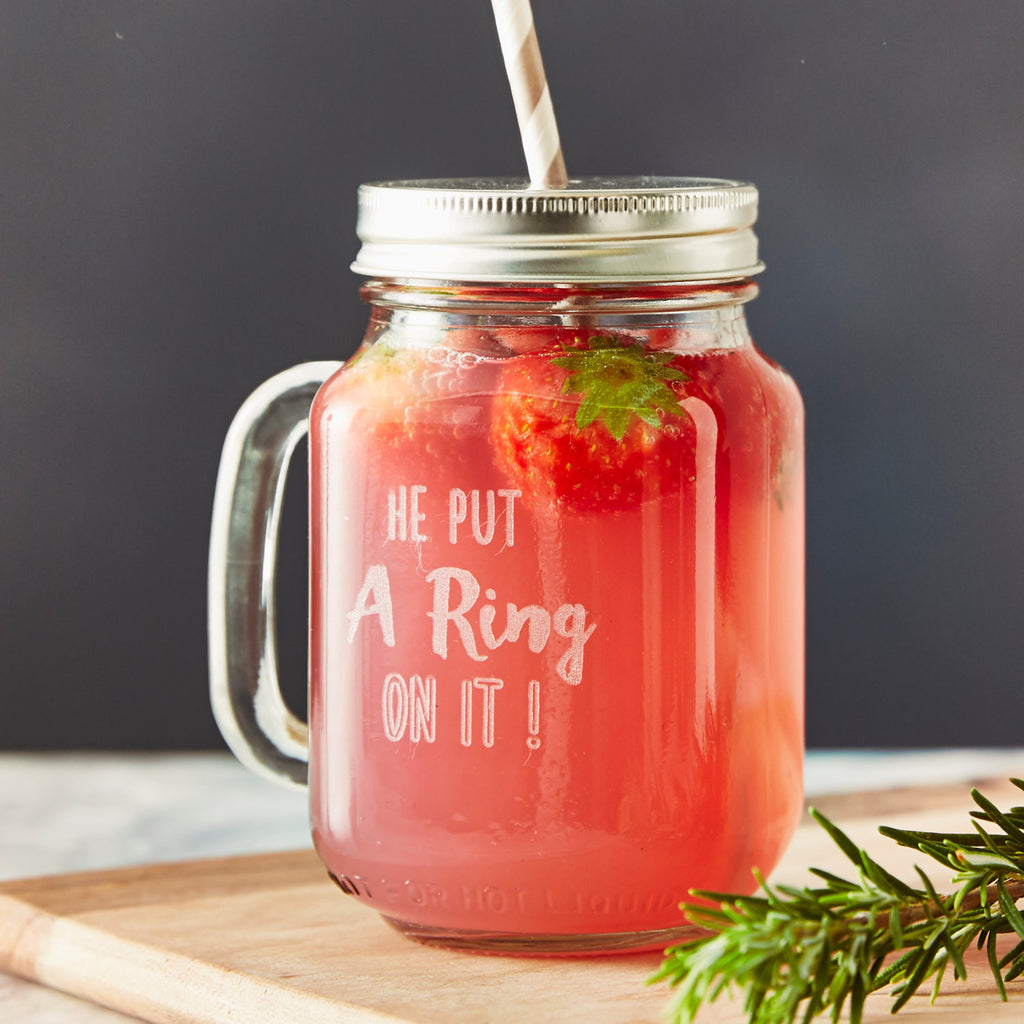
(595, 230)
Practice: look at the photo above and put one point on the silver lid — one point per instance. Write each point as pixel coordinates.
(594, 230)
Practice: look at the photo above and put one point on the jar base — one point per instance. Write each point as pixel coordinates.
(526, 944)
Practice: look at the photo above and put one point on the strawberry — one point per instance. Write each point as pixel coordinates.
(399, 375)
(419, 410)
(592, 426)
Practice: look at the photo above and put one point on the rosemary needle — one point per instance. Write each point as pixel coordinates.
(799, 952)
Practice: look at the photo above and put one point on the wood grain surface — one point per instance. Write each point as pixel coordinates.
(269, 939)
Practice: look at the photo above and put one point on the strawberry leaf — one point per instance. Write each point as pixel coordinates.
(617, 420)
(619, 381)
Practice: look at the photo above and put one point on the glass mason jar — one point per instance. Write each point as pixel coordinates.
(556, 535)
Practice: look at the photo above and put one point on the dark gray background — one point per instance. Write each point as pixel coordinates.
(177, 196)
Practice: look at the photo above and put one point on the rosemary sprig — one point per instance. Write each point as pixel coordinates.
(798, 952)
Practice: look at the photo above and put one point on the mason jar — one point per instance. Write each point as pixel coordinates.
(556, 567)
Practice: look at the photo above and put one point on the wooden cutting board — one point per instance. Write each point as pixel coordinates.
(270, 940)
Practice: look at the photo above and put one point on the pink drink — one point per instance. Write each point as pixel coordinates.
(548, 699)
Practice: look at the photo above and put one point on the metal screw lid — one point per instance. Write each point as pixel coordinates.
(600, 230)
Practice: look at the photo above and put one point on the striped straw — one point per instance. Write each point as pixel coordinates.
(530, 93)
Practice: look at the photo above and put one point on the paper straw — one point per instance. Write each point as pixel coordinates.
(530, 93)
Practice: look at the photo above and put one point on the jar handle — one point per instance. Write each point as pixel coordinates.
(244, 689)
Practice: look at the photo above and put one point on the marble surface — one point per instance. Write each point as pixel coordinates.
(76, 812)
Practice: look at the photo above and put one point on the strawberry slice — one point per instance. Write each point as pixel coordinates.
(592, 426)
(420, 411)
